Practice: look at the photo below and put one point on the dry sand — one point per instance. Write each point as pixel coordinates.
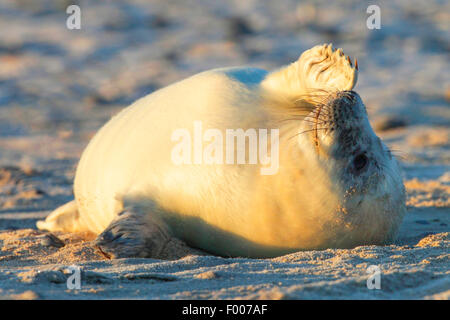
(57, 87)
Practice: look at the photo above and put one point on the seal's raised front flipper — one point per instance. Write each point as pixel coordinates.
(318, 69)
(134, 234)
(64, 218)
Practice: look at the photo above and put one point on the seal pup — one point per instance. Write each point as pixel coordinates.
(337, 185)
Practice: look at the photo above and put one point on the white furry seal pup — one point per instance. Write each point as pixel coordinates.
(337, 185)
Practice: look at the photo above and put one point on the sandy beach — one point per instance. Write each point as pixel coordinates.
(59, 86)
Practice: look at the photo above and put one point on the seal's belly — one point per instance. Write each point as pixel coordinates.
(132, 154)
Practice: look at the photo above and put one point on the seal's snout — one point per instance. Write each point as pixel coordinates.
(350, 133)
(341, 118)
(344, 99)
(344, 110)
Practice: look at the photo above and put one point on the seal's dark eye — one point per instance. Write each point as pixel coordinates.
(360, 162)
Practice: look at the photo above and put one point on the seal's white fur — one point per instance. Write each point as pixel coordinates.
(227, 209)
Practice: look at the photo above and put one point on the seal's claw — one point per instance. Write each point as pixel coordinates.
(132, 234)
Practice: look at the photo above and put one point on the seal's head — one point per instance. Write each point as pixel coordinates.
(348, 185)
(363, 173)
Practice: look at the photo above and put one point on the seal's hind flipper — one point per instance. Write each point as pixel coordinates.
(64, 218)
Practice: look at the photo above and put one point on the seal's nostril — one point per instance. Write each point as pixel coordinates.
(360, 162)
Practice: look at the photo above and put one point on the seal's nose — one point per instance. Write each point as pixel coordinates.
(350, 95)
(344, 106)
